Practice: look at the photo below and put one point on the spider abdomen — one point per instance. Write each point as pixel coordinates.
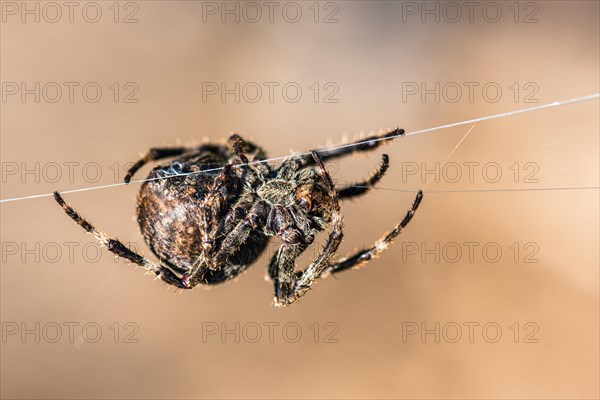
(172, 217)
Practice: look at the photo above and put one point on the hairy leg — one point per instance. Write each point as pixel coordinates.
(118, 248)
(236, 238)
(361, 188)
(294, 163)
(240, 146)
(291, 285)
(159, 153)
(365, 255)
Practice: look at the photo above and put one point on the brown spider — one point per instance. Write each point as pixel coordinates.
(209, 214)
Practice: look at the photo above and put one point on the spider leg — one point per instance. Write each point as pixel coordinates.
(213, 224)
(361, 188)
(369, 143)
(118, 248)
(365, 144)
(245, 146)
(235, 239)
(159, 153)
(240, 146)
(291, 285)
(236, 142)
(155, 154)
(282, 271)
(365, 255)
(210, 213)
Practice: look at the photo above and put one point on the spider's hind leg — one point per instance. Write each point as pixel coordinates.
(118, 248)
(365, 255)
(159, 153)
(154, 154)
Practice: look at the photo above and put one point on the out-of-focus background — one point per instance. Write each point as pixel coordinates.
(488, 294)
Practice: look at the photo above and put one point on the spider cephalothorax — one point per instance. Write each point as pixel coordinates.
(209, 214)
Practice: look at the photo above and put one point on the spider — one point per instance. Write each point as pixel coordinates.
(210, 213)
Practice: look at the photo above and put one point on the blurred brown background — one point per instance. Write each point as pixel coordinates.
(366, 57)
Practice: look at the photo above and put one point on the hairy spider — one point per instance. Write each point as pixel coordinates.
(207, 227)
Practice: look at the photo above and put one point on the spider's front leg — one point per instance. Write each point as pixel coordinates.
(289, 284)
(365, 255)
(118, 248)
(360, 188)
(294, 163)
